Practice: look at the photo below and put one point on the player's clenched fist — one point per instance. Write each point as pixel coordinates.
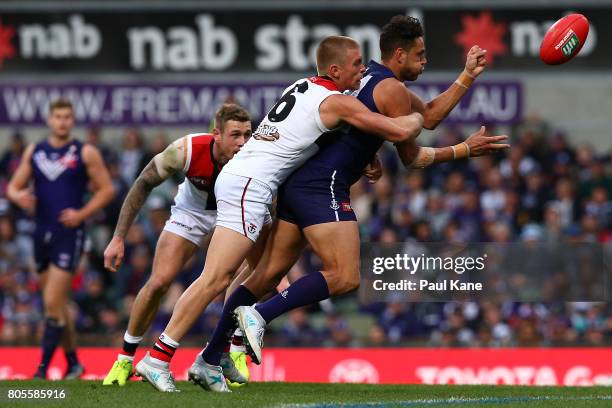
(373, 171)
(113, 254)
(476, 61)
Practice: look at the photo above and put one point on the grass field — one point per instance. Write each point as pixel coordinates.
(136, 394)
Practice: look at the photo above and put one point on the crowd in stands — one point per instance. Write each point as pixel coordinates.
(543, 189)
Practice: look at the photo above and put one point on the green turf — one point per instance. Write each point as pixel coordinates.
(136, 394)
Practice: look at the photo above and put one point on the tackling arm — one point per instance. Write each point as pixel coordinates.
(343, 108)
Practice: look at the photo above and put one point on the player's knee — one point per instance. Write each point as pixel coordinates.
(222, 282)
(352, 283)
(158, 285)
(346, 285)
(53, 309)
(343, 280)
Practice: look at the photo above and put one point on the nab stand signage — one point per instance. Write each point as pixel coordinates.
(271, 40)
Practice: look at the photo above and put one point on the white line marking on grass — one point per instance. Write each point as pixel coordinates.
(439, 401)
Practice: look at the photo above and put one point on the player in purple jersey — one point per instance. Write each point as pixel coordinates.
(60, 168)
(314, 202)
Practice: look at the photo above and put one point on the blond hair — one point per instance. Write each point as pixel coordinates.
(332, 50)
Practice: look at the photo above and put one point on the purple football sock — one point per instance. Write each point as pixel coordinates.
(308, 290)
(51, 339)
(71, 358)
(226, 326)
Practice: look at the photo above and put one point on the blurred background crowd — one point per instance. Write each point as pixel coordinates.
(543, 189)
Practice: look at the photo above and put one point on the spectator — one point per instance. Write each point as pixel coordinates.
(133, 157)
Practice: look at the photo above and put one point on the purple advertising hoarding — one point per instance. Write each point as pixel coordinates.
(180, 104)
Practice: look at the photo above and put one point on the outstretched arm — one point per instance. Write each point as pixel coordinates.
(161, 167)
(393, 99)
(478, 144)
(438, 108)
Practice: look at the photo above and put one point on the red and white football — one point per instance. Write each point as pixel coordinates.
(564, 39)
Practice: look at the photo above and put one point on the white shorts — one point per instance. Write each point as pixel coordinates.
(191, 225)
(243, 204)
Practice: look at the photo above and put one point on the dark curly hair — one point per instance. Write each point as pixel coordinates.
(401, 31)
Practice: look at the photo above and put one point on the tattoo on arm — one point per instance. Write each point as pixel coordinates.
(146, 181)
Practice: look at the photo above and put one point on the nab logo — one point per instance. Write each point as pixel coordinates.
(7, 49)
(484, 31)
(354, 371)
(514, 38)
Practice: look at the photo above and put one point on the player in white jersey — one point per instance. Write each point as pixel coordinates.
(200, 157)
(246, 186)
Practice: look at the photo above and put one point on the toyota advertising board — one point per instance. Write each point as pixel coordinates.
(522, 366)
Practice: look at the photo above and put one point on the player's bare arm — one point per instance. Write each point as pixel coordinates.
(102, 188)
(18, 190)
(393, 99)
(160, 168)
(342, 108)
(436, 110)
(477, 144)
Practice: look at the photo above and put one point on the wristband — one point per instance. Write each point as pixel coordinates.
(461, 151)
(425, 157)
(465, 80)
(467, 146)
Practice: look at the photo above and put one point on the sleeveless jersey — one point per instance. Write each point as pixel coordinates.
(196, 193)
(285, 138)
(60, 181)
(349, 150)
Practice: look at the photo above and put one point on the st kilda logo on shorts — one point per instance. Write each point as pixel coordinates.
(252, 228)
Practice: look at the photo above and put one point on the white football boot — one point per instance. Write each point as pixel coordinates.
(207, 376)
(253, 327)
(158, 375)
